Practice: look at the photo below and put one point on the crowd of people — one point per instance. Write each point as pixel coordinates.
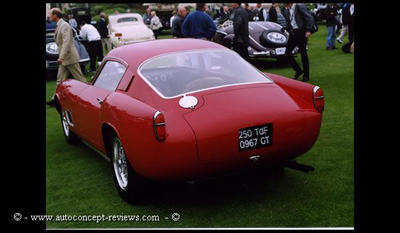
(200, 25)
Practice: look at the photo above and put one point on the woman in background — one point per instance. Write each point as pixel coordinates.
(155, 24)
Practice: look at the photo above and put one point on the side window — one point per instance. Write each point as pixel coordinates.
(110, 76)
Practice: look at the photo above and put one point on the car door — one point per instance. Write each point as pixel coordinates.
(90, 100)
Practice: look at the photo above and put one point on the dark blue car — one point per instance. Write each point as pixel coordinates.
(52, 50)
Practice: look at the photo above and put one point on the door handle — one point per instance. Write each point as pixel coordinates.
(99, 100)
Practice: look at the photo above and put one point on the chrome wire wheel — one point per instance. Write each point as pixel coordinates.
(65, 124)
(120, 164)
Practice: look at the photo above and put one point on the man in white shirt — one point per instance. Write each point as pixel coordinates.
(94, 46)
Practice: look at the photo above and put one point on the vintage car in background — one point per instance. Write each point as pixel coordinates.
(281, 19)
(187, 109)
(265, 39)
(52, 52)
(128, 28)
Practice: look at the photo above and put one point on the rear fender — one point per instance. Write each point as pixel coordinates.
(300, 92)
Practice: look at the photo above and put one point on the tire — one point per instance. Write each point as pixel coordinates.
(266, 42)
(70, 136)
(129, 184)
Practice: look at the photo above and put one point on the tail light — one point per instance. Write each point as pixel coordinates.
(118, 34)
(318, 96)
(159, 126)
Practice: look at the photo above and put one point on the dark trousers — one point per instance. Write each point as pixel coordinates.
(298, 38)
(95, 50)
(350, 32)
(156, 33)
(241, 50)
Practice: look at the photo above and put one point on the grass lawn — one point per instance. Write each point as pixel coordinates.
(79, 182)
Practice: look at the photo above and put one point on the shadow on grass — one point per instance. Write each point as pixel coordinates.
(268, 63)
(241, 187)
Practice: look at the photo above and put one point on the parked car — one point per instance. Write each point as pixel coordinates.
(52, 53)
(128, 28)
(281, 19)
(266, 39)
(187, 109)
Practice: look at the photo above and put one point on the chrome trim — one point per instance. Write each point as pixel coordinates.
(85, 60)
(255, 158)
(97, 151)
(157, 125)
(68, 117)
(315, 89)
(200, 90)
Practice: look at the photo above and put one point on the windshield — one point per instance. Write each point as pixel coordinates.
(127, 19)
(174, 74)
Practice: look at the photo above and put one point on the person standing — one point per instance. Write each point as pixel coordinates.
(104, 34)
(247, 8)
(72, 22)
(155, 24)
(199, 24)
(262, 13)
(344, 18)
(351, 23)
(273, 14)
(93, 46)
(224, 15)
(331, 23)
(68, 57)
(171, 20)
(299, 24)
(147, 17)
(241, 31)
(178, 21)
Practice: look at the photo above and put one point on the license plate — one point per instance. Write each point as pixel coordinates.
(255, 137)
(280, 51)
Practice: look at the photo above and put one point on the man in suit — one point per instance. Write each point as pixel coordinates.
(178, 21)
(299, 24)
(240, 30)
(224, 15)
(103, 30)
(273, 14)
(68, 57)
(262, 13)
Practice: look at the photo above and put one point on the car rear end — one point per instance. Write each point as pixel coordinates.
(208, 128)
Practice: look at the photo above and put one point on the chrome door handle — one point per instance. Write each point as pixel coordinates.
(99, 100)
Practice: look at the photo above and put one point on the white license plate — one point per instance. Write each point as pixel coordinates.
(280, 51)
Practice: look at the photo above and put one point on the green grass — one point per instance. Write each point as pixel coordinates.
(79, 182)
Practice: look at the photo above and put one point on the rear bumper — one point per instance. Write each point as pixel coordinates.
(118, 43)
(270, 53)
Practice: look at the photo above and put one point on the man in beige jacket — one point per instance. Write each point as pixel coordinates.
(68, 59)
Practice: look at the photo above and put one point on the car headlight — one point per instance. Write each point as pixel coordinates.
(52, 48)
(276, 37)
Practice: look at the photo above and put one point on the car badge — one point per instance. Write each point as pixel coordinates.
(254, 158)
(188, 102)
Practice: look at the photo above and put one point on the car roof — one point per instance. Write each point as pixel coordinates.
(136, 54)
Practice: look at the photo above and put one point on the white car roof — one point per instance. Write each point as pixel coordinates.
(113, 19)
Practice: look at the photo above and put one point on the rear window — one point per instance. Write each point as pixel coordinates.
(174, 74)
(127, 19)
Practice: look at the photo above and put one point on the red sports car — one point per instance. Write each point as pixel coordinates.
(187, 109)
